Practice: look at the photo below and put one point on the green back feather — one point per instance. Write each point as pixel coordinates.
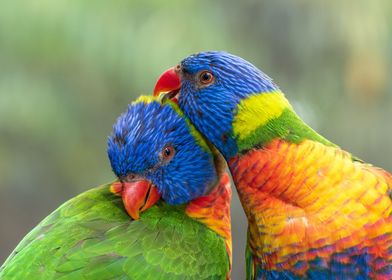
(92, 237)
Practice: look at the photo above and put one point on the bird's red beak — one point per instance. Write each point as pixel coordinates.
(168, 85)
(137, 196)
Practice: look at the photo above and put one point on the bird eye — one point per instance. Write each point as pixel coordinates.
(206, 77)
(167, 153)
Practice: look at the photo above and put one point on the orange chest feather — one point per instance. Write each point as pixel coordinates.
(306, 196)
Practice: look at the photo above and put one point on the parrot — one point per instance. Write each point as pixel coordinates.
(314, 210)
(172, 184)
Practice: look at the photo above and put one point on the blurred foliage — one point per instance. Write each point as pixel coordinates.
(69, 68)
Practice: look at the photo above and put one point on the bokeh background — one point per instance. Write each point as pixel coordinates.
(68, 68)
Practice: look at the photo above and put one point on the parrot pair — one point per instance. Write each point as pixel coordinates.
(314, 211)
(156, 153)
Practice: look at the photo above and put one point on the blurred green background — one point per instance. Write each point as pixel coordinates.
(69, 68)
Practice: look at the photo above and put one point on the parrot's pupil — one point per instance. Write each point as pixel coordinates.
(206, 77)
(167, 153)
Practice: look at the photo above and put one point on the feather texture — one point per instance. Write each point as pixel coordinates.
(311, 207)
(92, 237)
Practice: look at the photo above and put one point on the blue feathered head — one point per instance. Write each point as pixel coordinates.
(209, 87)
(155, 142)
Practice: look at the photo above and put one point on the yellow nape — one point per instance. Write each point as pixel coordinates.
(257, 110)
(146, 99)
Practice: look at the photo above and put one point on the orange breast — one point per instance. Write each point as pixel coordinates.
(309, 200)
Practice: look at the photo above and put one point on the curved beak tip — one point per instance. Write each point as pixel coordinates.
(139, 196)
(167, 82)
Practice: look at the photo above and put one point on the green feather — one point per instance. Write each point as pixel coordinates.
(92, 237)
(287, 126)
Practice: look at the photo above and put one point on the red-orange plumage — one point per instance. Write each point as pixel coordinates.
(306, 201)
(213, 210)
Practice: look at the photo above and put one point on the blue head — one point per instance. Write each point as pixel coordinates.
(210, 86)
(155, 142)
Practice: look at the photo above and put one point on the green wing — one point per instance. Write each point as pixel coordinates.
(92, 237)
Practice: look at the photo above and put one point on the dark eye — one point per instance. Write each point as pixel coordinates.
(206, 78)
(167, 153)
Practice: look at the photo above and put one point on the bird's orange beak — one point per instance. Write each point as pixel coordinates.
(137, 196)
(168, 85)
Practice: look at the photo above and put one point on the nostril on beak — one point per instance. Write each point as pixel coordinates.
(128, 178)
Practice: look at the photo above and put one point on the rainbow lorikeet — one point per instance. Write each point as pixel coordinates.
(314, 210)
(156, 153)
